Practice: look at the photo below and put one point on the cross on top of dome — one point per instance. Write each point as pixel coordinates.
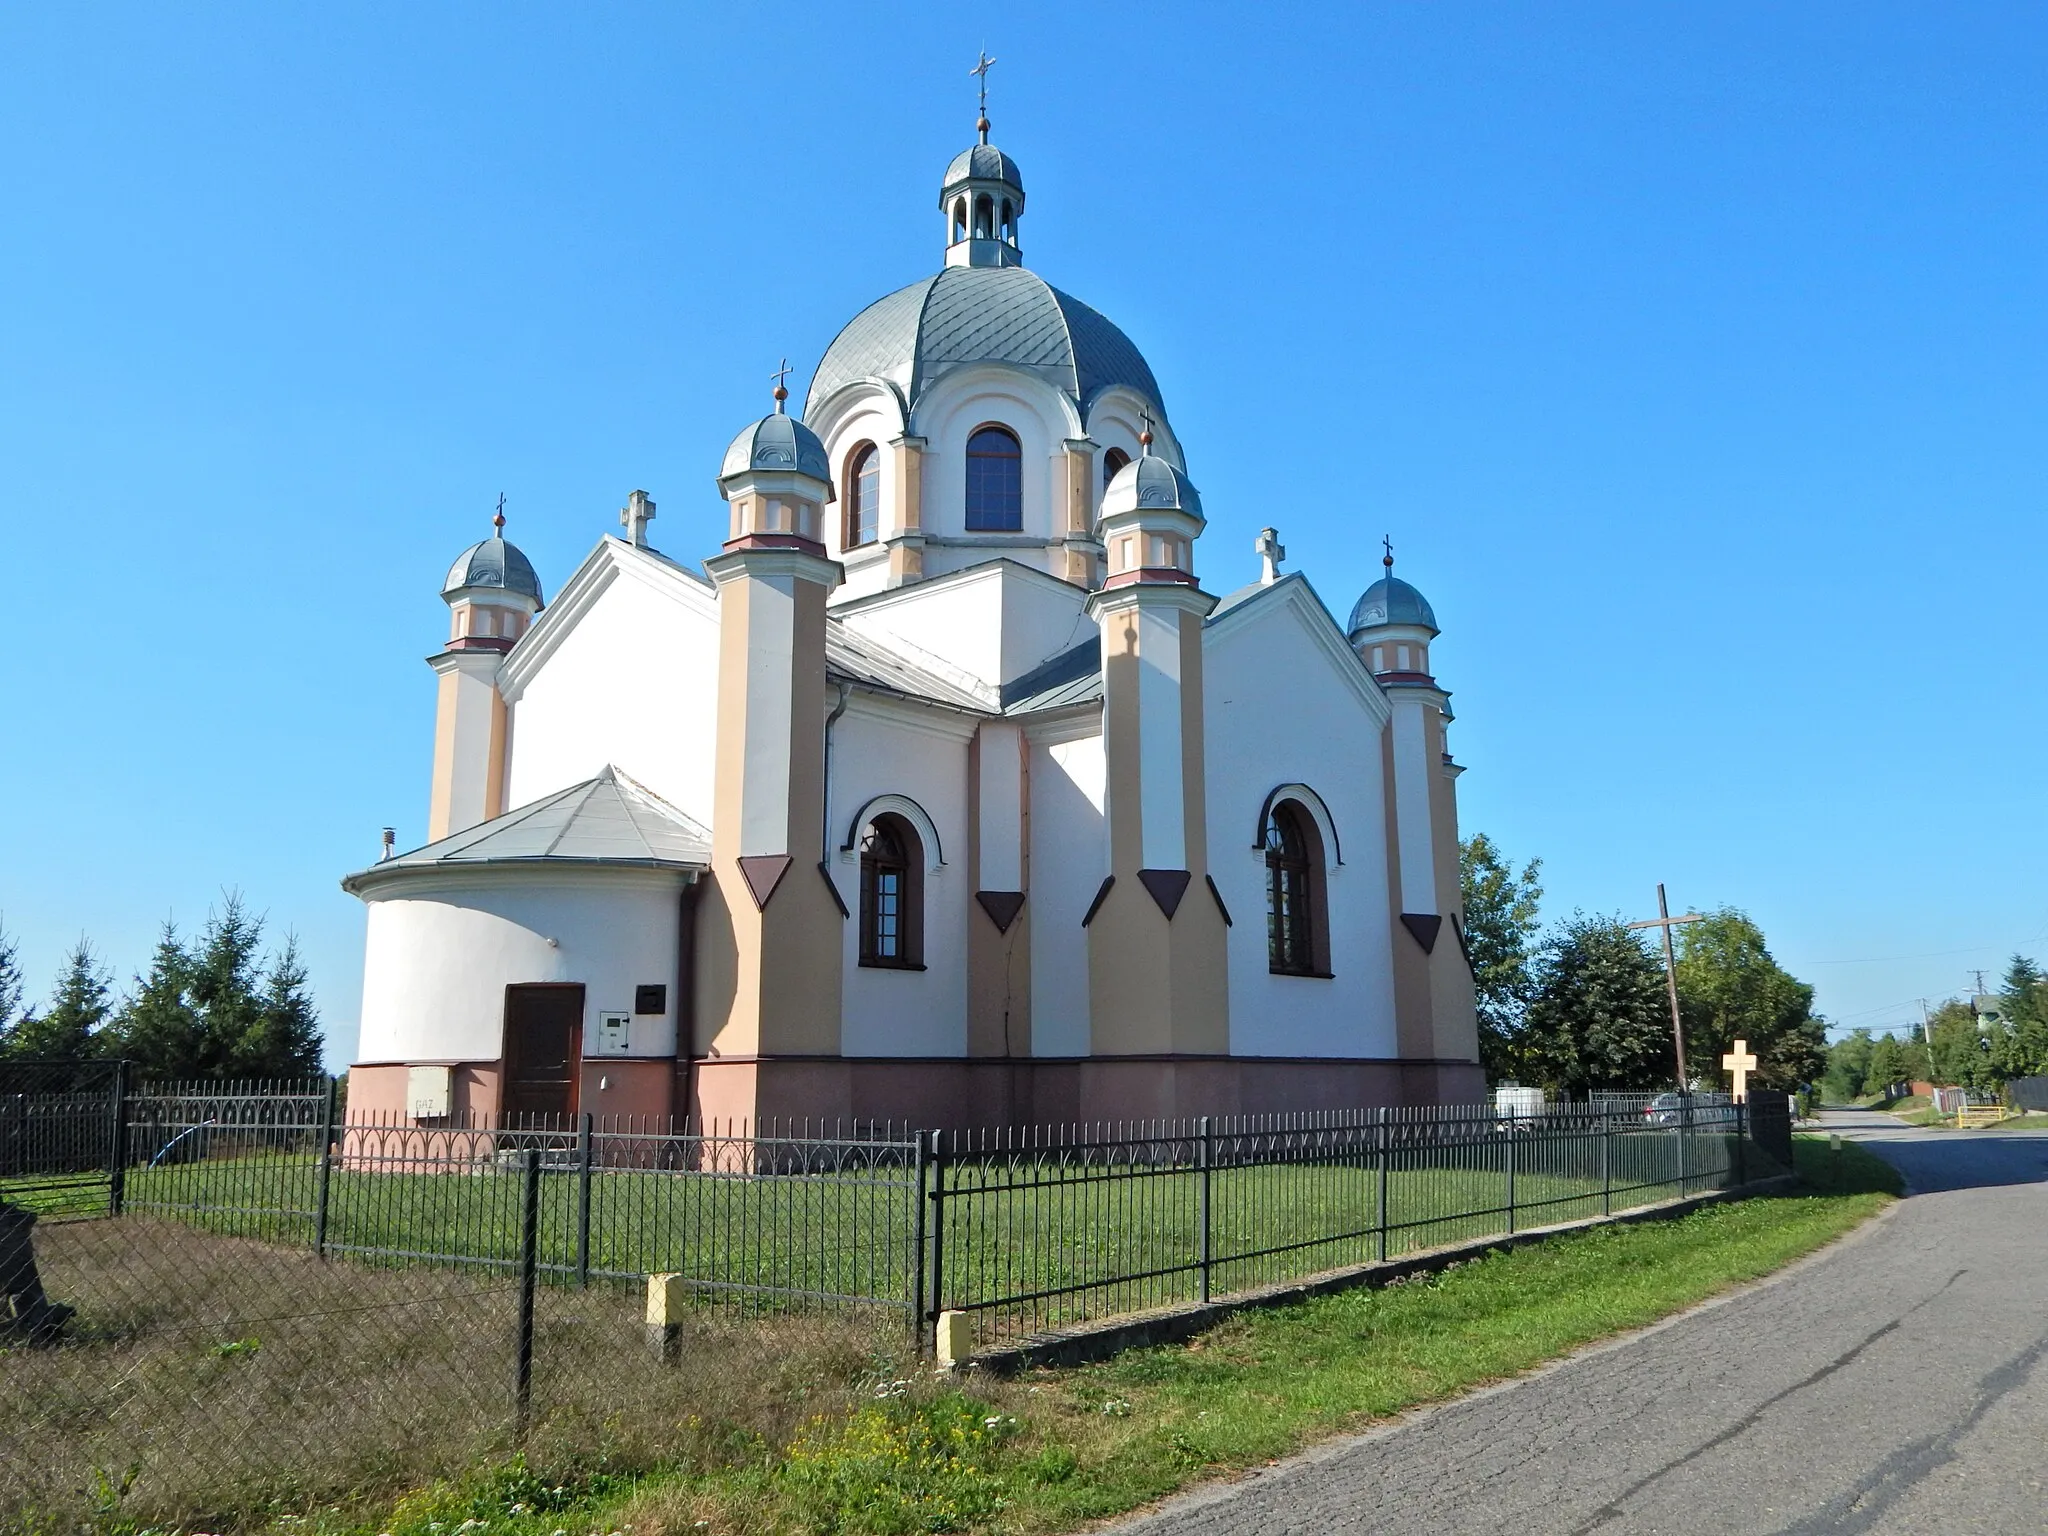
(980, 71)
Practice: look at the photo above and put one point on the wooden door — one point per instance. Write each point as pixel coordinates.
(543, 1048)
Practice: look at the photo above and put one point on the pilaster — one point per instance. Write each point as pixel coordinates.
(470, 738)
(1156, 951)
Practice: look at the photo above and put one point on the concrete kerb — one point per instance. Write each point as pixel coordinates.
(1171, 1325)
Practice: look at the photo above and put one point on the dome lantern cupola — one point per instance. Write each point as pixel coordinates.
(982, 197)
(492, 593)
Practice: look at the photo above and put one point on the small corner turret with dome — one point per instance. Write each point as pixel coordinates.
(1391, 627)
(778, 481)
(492, 591)
(1151, 517)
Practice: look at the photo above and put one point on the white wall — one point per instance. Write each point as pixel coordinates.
(946, 416)
(634, 681)
(995, 622)
(1069, 857)
(883, 749)
(1278, 711)
(443, 948)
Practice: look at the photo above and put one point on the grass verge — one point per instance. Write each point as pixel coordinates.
(884, 1452)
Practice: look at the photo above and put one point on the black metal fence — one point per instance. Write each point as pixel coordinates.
(1035, 1231)
(198, 1224)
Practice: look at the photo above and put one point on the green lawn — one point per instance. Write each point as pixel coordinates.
(881, 1449)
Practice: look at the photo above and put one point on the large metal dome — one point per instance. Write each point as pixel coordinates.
(968, 315)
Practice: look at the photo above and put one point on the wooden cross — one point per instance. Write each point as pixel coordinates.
(1740, 1062)
(1270, 552)
(1667, 922)
(634, 517)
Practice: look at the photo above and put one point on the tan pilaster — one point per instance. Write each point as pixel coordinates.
(770, 927)
(1156, 951)
(470, 738)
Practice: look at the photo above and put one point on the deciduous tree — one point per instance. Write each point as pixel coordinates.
(1597, 1017)
(1729, 989)
(1500, 923)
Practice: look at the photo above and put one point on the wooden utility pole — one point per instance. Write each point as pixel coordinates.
(1666, 922)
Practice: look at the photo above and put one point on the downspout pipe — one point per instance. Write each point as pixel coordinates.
(825, 810)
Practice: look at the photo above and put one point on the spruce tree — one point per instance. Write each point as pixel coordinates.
(285, 1039)
(71, 1029)
(226, 989)
(10, 983)
(157, 1027)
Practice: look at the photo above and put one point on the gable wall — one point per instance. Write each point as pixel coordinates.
(634, 682)
(1278, 712)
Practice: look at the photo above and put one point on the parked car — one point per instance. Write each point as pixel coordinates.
(1665, 1109)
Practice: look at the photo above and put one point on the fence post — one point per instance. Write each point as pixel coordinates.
(938, 1233)
(1514, 1134)
(1741, 1135)
(1381, 1139)
(917, 1198)
(583, 1139)
(117, 1144)
(1203, 1159)
(529, 1267)
(1684, 1140)
(326, 1173)
(1606, 1163)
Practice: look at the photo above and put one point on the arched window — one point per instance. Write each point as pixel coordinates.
(984, 217)
(891, 894)
(959, 219)
(1113, 461)
(995, 481)
(1009, 223)
(862, 495)
(1297, 926)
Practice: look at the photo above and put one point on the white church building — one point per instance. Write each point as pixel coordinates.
(945, 790)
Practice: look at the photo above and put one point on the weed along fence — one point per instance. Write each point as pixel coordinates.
(272, 1292)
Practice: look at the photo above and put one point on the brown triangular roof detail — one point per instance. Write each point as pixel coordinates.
(1425, 926)
(1002, 907)
(1167, 887)
(763, 872)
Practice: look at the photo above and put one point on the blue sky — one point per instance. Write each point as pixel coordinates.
(1693, 356)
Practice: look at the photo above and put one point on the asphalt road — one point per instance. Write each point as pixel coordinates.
(1893, 1383)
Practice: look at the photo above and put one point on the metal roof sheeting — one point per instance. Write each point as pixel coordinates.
(611, 819)
(857, 658)
(967, 315)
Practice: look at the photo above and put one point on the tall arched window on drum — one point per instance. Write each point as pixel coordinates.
(995, 481)
(862, 495)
